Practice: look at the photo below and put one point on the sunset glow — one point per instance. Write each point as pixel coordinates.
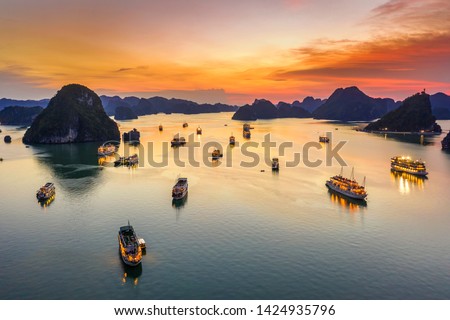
(225, 51)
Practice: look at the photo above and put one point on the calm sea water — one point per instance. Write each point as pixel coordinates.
(241, 234)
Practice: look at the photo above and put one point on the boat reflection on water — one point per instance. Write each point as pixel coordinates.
(180, 203)
(131, 275)
(352, 205)
(407, 181)
(107, 161)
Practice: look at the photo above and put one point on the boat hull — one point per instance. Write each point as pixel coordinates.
(344, 192)
(129, 263)
(421, 173)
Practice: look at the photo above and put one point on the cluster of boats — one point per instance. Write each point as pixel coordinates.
(352, 189)
(131, 247)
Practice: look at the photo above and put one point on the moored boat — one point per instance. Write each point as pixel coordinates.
(106, 150)
(347, 187)
(232, 140)
(216, 154)
(180, 189)
(132, 136)
(130, 161)
(246, 131)
(178, 141)
(275, 164)
(405, 164)
(129, 246)
(324, 139)
(46, 192)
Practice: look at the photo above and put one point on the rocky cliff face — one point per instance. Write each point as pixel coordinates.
(414, 115)
(446, 142)
(74, 114)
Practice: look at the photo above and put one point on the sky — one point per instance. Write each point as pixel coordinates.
(230, 51)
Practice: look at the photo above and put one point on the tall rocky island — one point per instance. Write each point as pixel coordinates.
(74, 114)
(414, 115)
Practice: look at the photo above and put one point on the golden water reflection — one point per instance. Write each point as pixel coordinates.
(131, 275)
(45, 203)
(406, 181)
(351, 205)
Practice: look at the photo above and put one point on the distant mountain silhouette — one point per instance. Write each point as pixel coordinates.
(440, 104)
(22, 116)
(246, 113)
(145, 106)
(264, 109)
(5, 102)
(309, 103)
(286, 110)
(351, 104)
(124, 113)
(414, 115)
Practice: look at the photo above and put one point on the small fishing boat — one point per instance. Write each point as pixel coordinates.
(199, 130)
(216, 154)
(275, 164)
(133, 160)
(180, 189)
(130, 249)
(232, 140)
(106, 150)
(132, 137)
(324, 139)
(127, 161)
(46, 192)
(178, 141)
